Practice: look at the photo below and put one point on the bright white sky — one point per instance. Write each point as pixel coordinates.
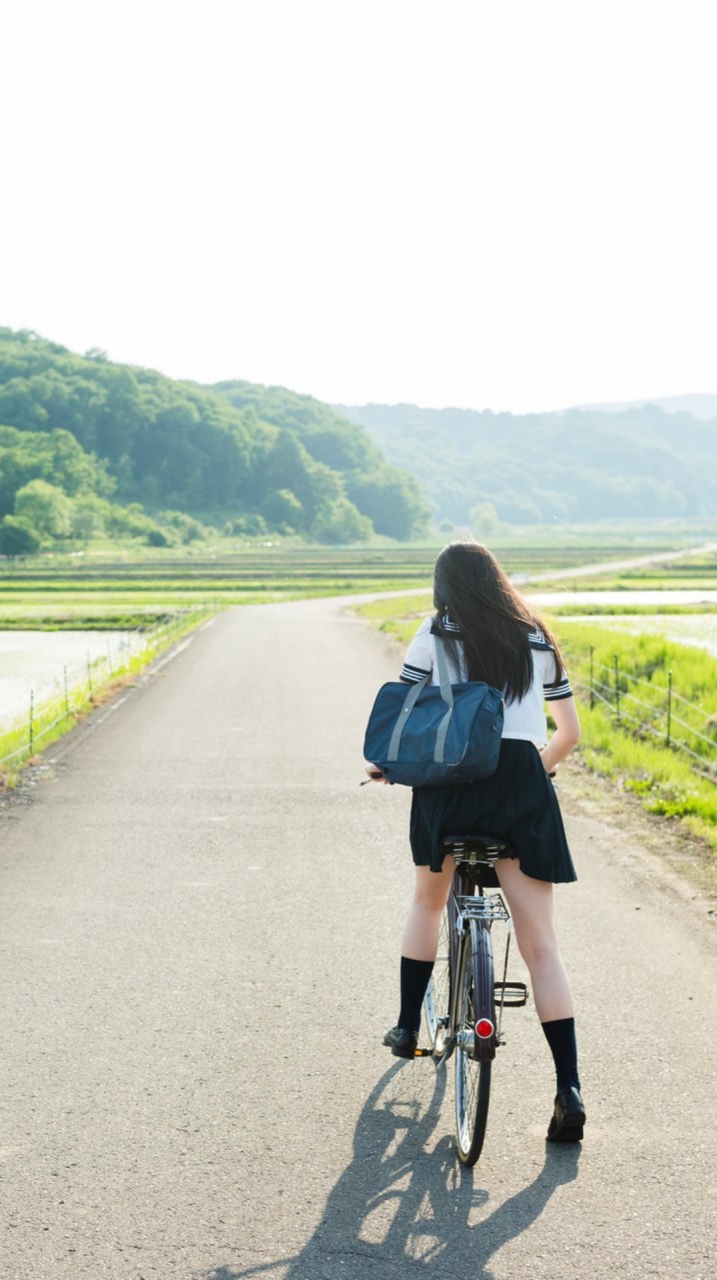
(506, 205)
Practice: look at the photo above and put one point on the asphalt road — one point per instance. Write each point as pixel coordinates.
(199, 926)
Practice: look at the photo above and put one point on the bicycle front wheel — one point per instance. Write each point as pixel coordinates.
(475, 1013)
(437, 997)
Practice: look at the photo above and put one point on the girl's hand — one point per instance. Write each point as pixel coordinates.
(567, 733)
(375, 775)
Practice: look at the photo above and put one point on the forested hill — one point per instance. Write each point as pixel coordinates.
(239, 455)
(581, 464)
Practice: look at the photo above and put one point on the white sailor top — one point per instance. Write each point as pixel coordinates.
(524, 717)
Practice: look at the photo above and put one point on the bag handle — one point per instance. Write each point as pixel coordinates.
(413, 695)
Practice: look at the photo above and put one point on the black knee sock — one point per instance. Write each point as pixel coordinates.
(560, 1035)
(414, 980)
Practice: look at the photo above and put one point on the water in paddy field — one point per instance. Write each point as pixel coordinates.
(550, 599)
(696, 629)
(36, 660)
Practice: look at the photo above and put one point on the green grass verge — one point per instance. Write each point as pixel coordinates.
(633, 750)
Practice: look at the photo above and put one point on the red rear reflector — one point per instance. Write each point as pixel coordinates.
(484, 1028)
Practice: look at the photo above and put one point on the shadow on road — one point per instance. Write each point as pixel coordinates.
(399, 1206)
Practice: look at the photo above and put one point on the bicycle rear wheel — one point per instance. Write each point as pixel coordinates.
(474, 1053)
(437, 997)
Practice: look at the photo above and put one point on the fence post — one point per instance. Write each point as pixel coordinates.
(32, 719)
(67, 699)
(592, 690)
(109, 655)
(669, 706)
(89, 676)
(617, 689)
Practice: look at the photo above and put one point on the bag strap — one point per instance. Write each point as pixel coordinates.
(444, 678)
(447, 695)
(412, 697)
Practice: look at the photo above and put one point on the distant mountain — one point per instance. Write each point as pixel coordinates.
(704, 407)
(579, 464)
(237, 455)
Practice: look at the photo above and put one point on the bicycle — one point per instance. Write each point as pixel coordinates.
(464, 1004)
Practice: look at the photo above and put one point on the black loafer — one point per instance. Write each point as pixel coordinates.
(402, 1043)
(568, 1117)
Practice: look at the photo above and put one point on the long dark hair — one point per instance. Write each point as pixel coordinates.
(492, 618)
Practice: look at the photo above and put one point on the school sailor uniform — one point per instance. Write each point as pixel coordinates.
(518, 802)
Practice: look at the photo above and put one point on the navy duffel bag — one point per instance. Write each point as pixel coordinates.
(425, 735)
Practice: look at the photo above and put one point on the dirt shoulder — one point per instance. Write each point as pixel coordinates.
(684, 864)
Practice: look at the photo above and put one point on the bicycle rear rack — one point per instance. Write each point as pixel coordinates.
(486, 907)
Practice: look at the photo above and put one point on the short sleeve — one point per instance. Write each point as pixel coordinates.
(545, 664)
(558, 689)
(419, 655)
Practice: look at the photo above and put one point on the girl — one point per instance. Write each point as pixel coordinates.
(491, 634)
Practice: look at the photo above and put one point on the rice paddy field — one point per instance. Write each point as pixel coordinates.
(72, 626)
(164, 594)
(85, 591)
(695, 573)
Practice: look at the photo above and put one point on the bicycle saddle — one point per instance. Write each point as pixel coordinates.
(478, 847)
(477, 854)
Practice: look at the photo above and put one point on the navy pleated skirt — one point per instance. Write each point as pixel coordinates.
(518, 803)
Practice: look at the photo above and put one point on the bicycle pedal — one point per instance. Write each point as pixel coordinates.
(512, 995)
(423, 1053)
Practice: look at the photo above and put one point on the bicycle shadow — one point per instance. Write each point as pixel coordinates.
(399, 1208)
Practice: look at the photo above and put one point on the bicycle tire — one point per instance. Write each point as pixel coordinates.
(436, 1001)
(474, 1056)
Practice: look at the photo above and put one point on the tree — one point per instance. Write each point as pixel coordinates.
(89, 515)
(340, 521)
(391, 500)
(157, 538)
(17, 538)
(250, 525)
(184, 528)
(484, 519)
(46, 508)
(283, 510)
(287, 465)
(131, 520)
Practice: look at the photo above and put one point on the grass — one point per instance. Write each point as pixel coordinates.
(629, 610)
(626, 739)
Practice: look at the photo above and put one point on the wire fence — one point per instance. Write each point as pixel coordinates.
(77, 687)
(653, 711)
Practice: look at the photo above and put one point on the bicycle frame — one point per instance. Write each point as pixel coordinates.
(469, 902)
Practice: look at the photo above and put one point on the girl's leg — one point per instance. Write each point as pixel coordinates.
(420, 937)
(531, 906)
(418, 952)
